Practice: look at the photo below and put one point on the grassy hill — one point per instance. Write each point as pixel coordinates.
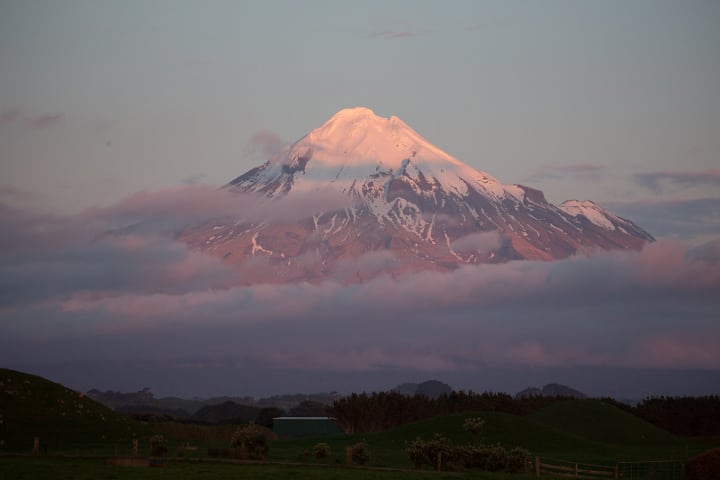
(579, 430)
(602, 422)
(64, 420)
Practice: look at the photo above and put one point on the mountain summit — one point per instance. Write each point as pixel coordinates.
(394, 203)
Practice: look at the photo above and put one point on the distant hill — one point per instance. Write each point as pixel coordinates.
(408, 389)
(551, 390)
(144, 402)
(64, 419)
(428, 388)
(290, 401)
(226, 412)
(151, 411)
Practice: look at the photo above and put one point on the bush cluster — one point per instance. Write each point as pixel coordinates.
(474, 426)
(251, 438)
(321, 451)
(158, 445)
(494, 458)
(360, 453)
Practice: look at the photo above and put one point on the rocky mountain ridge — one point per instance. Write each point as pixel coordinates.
(392, 203)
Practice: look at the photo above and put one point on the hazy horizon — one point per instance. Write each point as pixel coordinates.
(163, 381)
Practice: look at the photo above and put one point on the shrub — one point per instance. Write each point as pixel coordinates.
(705, 466)
(472, 456)
(416, 452)
(251, 438)
(158, 445)
(519, 460)
(439, 446)
(321, 451)
(423, 452)
(497, 458)
(474, 426)
(360, 453)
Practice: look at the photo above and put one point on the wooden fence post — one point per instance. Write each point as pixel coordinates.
(576, 470)
(348, 456)
(135, 447)
(439, 461)
(537, 466)
(615, 473)
(36, 446)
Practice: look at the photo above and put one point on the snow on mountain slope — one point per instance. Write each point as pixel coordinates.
(601, 217)
(408, 203)
(357, 144)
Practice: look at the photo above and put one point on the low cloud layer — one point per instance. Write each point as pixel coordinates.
(16, 116)
(692, 219)
(78, 294)
(263, 145)
(662, 180)
(587, 171)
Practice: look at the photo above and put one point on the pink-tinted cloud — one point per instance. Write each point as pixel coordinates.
(264, 145)
(194, 179)
(139, 294)
(685, 219)
(16, 116)
(173, 209)
(485, 242)
(661, 180)
(394, 28)
(46, 120)
(588, 171)
(8, 116)
(681, 349)
(396, 34)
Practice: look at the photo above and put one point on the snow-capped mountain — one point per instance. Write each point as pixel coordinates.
(398, 203)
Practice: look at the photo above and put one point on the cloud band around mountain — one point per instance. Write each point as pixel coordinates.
(137, 293)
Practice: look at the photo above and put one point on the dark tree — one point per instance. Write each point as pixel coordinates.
(265, 416)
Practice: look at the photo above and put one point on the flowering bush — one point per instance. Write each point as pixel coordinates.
(321, 451)
(158, 445)
(474, 426)
(251, 438)
(360, 453)
(422, 452)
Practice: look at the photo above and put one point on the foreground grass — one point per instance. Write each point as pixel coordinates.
(14, 468)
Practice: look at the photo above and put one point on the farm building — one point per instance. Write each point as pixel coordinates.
(305, 426)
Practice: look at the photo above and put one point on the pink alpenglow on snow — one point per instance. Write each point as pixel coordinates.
(393, 192)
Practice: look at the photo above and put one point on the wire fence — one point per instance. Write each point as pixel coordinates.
(655, 470)
(644, 470)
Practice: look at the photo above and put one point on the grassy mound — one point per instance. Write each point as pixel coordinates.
(65, 420)
(602, 422)
(579, 430)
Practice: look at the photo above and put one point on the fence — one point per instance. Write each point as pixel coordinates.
(581, 471)
(650, 470)
(658, 470)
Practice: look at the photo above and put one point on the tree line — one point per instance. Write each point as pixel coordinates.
(379, 411)
(359, 413)
(687, 416)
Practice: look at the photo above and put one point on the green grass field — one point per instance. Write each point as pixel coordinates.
(70, 424)
(95, 469)
(65, 420)
(582, 430)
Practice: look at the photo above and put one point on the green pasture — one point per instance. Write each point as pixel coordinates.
(72, 426)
